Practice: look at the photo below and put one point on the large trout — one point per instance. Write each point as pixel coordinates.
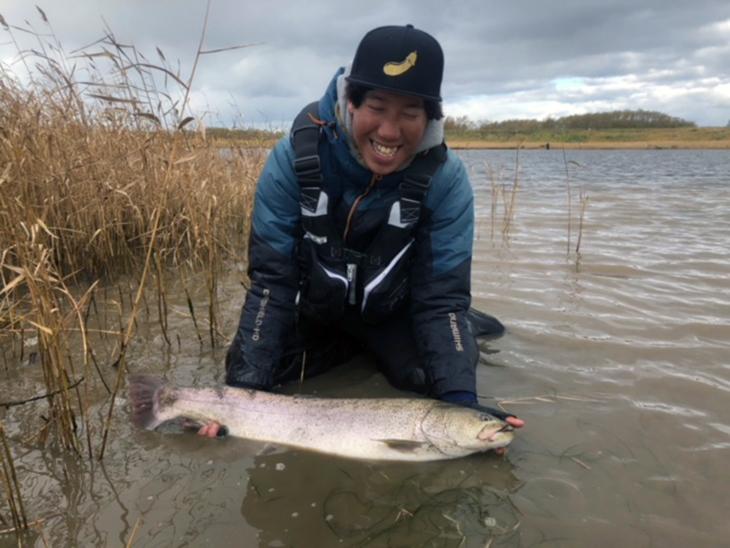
(397, 429)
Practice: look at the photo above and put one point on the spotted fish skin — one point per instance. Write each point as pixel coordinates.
(393, 429)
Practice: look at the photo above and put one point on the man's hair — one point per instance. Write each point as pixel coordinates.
(356, 95)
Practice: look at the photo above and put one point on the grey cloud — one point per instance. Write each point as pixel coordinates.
(669, 55)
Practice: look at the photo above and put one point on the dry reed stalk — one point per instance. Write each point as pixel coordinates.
(570, 199)
(121, 360)
(495, 195)
(99, 186)
(102, 178)
(178, 141)
(85, 404)
(161, 300)
(48, 298)
(191, 308)
(508, 197)
(11, 485)
(197, 322)
(211, 279)
(148, 260)
(133, 537)
(510, 211)
(583, 204)
(581, 219)
(37, 523)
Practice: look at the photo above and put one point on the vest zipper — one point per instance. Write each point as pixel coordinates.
(352, 280)
(374, 181)
(352, 267)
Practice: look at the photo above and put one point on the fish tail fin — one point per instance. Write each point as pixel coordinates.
(143, 390)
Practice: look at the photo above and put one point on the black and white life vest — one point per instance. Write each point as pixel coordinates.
(376, 280)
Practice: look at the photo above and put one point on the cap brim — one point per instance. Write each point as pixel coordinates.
(393, 89)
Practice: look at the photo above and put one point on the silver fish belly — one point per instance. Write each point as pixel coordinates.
(396, 429)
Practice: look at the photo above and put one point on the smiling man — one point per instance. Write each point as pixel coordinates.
(362, 235)
(387, 129)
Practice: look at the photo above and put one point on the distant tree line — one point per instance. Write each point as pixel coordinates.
(617, 119)
(247, 134)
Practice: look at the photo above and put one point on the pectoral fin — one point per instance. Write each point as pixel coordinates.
(403, 446)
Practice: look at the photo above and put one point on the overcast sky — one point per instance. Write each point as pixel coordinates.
(520, 59)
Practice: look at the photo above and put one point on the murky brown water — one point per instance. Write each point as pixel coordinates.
(618, 360)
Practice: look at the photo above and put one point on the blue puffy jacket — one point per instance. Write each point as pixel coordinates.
(440, 273)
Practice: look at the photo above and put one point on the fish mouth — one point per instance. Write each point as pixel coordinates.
(489, 436)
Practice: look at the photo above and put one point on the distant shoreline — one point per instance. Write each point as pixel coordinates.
(691, 138)
(460, 144)
(688, 138)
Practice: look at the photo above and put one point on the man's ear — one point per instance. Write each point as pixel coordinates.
(350, 107)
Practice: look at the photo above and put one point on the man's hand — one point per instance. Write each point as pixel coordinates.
(469, 399)
(213, 430)
(216, 429)
(509, 418)
(506, 417)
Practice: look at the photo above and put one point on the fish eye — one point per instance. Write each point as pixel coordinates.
(485, 418)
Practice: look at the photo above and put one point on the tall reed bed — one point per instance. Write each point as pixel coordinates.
(103, 173)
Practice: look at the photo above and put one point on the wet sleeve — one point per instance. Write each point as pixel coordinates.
(268, 316)
(441, 285)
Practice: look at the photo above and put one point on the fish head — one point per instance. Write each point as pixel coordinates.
(459, 431)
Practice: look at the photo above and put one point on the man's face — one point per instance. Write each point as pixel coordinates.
(387, 129)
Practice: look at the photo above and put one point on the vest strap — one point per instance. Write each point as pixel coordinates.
(417, 178)
(305, 135)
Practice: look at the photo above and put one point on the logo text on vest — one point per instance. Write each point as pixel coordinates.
(260, 316)
(455, 332)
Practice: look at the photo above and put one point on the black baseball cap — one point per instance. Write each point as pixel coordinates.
(402, 59)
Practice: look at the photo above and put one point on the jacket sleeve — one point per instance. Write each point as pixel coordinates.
(268, 316)
(441, 283)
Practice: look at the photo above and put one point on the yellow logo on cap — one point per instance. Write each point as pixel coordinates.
(396, 69)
